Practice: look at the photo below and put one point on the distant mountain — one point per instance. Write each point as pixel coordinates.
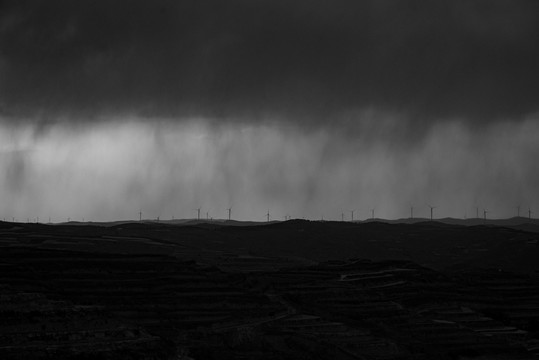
(435, 244)
(520, 223)
(183, 222)
(514, 221)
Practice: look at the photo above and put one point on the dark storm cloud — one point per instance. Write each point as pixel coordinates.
(308, 60)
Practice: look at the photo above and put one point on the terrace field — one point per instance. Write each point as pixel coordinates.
(289, 290)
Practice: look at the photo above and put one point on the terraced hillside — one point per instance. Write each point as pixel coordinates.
(153, 291)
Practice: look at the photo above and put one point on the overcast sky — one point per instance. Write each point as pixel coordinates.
(304, 108)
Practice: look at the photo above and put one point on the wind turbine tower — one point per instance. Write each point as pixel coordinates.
(268, 216)
(485, 215)
(372, 214)
(140, 215)
(431, 211)
(229, 212)
(411, 212)
(352, 212)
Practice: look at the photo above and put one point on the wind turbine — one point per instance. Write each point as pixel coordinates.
(372, 214)
(229, 212)
(198, 213)
(207, 215)
(431, 210)
(352, 211)
(485, 212)
(411, 212)
(268, 215)
(140, 215)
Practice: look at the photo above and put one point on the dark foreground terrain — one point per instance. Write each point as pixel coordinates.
(291, 290)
